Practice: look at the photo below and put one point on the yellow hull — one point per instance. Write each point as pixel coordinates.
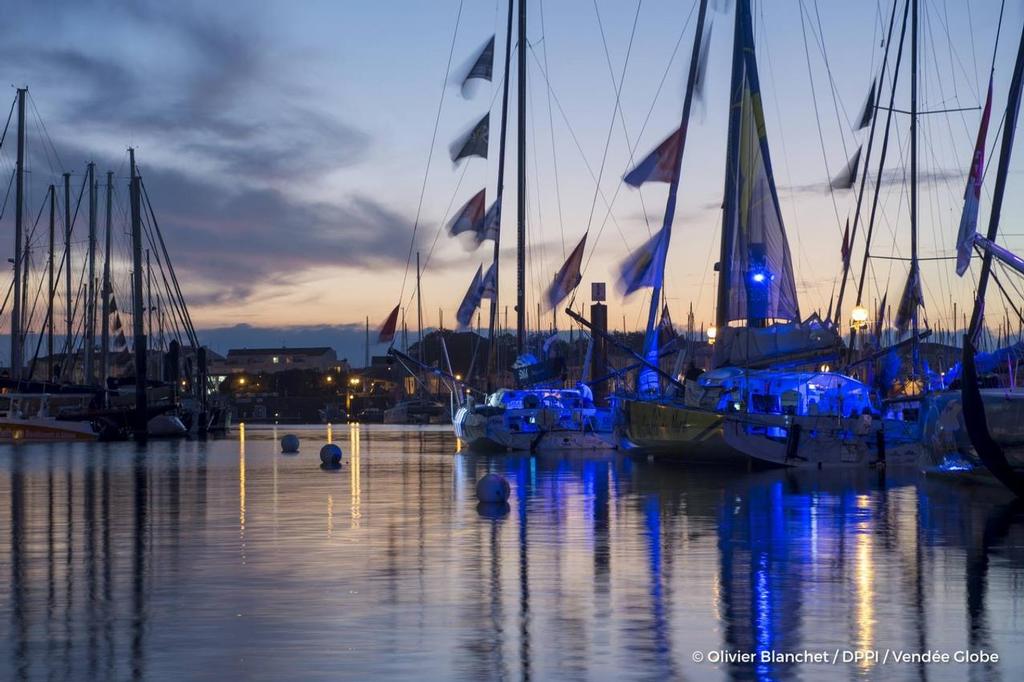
(665, 428)
(16, 431)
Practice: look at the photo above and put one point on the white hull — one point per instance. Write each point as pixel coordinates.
(505, 431)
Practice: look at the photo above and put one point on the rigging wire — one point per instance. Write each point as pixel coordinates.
(430, 153)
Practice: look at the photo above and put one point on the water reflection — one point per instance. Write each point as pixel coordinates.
(212, 560)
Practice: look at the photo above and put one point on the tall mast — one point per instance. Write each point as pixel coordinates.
(105, 303)
(419, 312)
(90, 288)
(499, 191)
(914, 266)
(149, 299)
(521, 189)
(19, 200)
(49, 282)
(67, 365)
(1005, 150)
(141, 408)
(650, 380)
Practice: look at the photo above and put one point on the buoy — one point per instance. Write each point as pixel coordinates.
(492, 488)
(290, 443)
(330, 455)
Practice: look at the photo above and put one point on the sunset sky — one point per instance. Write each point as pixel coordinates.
(284, 145)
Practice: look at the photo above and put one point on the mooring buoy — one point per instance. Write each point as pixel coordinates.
(330, 455)
(493, 488)
(290, 443)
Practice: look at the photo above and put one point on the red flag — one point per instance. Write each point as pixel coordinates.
(972, 194)
(387, 330)
(470, 217)
(659, 165)
(568, 277)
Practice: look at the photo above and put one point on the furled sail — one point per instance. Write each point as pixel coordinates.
(756, 282)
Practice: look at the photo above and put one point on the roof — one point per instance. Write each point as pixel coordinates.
(318, 350)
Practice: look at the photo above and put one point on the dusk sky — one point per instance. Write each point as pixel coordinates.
(284, 145)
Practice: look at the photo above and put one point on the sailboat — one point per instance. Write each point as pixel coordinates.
(76, 398)
(756, 286)
(539, 414)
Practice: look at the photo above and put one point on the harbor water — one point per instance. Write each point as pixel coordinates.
(227, 559)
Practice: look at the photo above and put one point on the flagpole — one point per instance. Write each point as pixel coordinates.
(521, 188)
(651, 339)
(915, 274)
(498, 194)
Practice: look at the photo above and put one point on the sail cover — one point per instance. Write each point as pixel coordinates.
(756, 270)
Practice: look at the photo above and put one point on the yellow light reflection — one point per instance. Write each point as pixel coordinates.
(241, 489)
(354, 483)
(330, 432)
(330, 515)
(864, 568)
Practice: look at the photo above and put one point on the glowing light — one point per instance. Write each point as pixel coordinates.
(458, 377)
(354, 381)
(859, 316)
(712, 334)
(825, 368)
(241, 381)
(330, 379)
(758, 277)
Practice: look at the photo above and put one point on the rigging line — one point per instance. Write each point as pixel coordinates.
(551, 129)
(650, 112)
(618, 89)
(46, 133)
(10, 115)
(832, 83)
(583, 156)
(611, 124)
(10, 183)
(430, 153)
(817, 118)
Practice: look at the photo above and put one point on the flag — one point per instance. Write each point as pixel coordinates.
(702, 63)
(492, 222)
(848, 176)
(568, 277)
(645, 267)
(387, 330)
(470, 302)
(666, 330)
(470, 217)
(972, 194)
(846, 245)
(489, 284)
(482, 68)
(474, 142)
(880, 320)
(660, 164)
(868, 112)
(910, 301)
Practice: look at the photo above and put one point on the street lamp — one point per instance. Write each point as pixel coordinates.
(859, 317)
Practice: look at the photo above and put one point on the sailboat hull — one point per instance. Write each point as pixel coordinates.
(672, 430)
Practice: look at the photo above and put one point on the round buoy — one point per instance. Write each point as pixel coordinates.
(330, 455)
(492, 488)
(290, 443)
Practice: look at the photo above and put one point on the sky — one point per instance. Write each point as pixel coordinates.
(285, 146)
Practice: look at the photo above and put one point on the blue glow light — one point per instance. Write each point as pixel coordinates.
(759, 277)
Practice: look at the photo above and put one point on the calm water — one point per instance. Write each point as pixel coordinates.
(229, 560)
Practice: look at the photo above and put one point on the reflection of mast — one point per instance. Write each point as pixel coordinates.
(522, 492)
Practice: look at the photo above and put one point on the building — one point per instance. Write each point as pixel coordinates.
(272, 360)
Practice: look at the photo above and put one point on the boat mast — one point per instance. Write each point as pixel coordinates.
(419, 312)
(914, 266)
(725, 254)
(105, 315)
(19, 200)
(67, 365)
(137, 322)
(651, 337)
(521, 188)
(90, 289)
(1005, 150)
(499, 191)
(49, 285)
